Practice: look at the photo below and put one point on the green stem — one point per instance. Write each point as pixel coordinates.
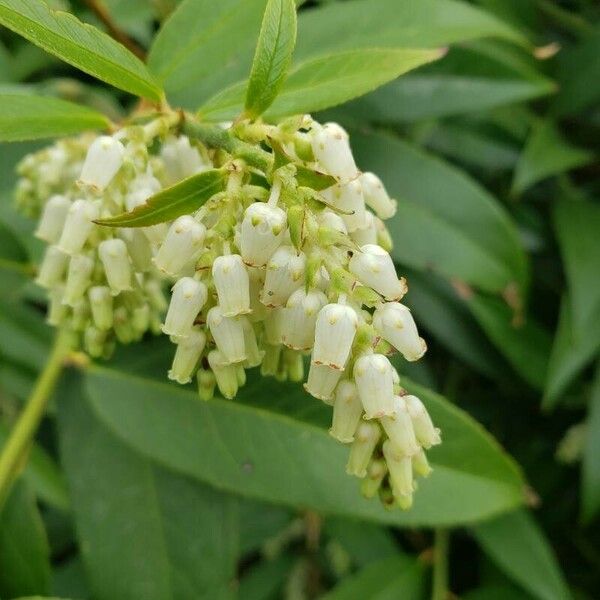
(440, 565)
(569, 21)
(217, 137)
(19, 440)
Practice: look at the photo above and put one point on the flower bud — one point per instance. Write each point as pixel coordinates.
(399, 429)
(374, 267)
(331, 148)
(427, 435)
(347, 409)
(115, 259)
(189, 296)
(94, 341)
(285, 273)
(232, 284)
(262, 231)
(78, 226)
(365, 439)
(376, 471)
(53, 219)
(254, 355)
(228, 333)
(52, 268)
(421, 464)
(273, 324)
(375, 382)
(181, 245)
(400, 470)
(78, 278)
(80, 315)
(156, 298)
(104, 159)
(140, 319)
(257, 279)
(225, 374)
(331, 220)
(181, 159)
(367, 234)
(348, 197)
(294, 365)
(300, 318)
(101, 303)
(322, 381)
(187, 355)
(334, 332)
(57, 310)
(376, 196)
(138, 248)
(271, 360)
(394, 322)
(206, 384)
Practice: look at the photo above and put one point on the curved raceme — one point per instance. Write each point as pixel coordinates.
(268, 272)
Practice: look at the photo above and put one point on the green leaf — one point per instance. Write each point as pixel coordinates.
(161, 535)
(24, 552)
(447, 222)
(194, 62)
(518, 546)
(180, 199)
(590, 473)
(571, 351)
(326, 81)
(577, 223)
(216, 442)
(34, 117)
(80, 45)
(525, 345)
(546, 154)
(394, 577)
(273, 55)
(265, 580)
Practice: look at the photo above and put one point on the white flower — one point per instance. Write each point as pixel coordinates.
(181, 245)
(374, 378)
(53, 219)
(322, 381)
(427, 434)
(232, 283)
(189, 296)
(103, 161)
(181, 159)
(254, 354)
(334, 333)
(348, 197)
(228, 333)
(365, 439)
(138, 248)
(395, 324)
(78, 226)
(376, 196)
(285, 274)
(57, 310)
(101, 304)
(374, 267)
(78, 278)
(401, 475)
(347, 409)
(225, 373)
(94, 341)
(187, 355)
(331, 147)
(262, 231)
(53, 267)
(273, 324)
(399, 428)
(421, 464)
(300, 318)
(117, 268)
(367, 234)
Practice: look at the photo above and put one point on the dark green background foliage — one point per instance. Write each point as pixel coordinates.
(135, 489)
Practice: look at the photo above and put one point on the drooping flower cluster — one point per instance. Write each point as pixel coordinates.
(289, 263)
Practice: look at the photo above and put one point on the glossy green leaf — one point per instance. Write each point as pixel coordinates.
(546, 153)
(518, 546)
(24, 552)
(35, 117)
(571, 351)
(182, 198)
(590, 473)
(526, 346)
(216, 442)
(162, 536)
(326, 81)
(272, 57)
(194, 62)
(394, 577)
(80, 45)
(446, 221)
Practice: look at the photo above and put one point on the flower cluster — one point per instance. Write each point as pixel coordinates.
(290, 261)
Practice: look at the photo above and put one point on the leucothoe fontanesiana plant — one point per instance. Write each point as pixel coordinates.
(252, 243)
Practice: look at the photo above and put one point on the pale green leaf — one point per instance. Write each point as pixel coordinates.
(27, 117)
(590, 474)
(80, 45)
(272, 57)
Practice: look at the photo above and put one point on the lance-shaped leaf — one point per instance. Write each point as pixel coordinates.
(326, 81)
(273, 55)
(180, 199)
(33, 117)
(80, 45)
